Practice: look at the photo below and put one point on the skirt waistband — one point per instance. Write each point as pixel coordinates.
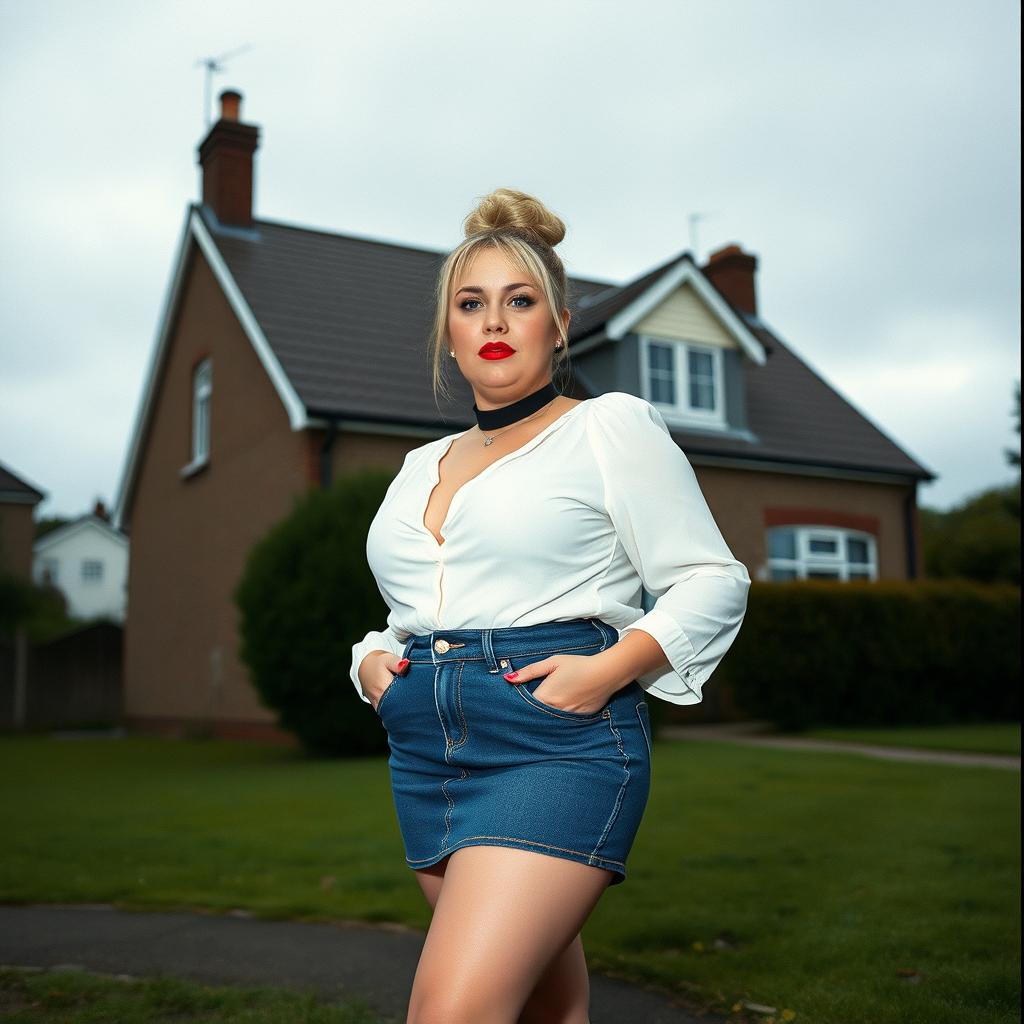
(491, 645)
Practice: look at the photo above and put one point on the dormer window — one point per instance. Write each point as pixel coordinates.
(684, 380)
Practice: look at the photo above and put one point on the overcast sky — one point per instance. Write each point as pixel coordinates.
(868, 154)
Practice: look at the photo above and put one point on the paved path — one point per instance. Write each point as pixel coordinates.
(754, 733)
(339, 959)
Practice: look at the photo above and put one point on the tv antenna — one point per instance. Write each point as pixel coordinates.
(694, 218)
(213, 64)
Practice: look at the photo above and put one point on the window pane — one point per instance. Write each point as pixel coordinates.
(702, 395)
(701, 364)
(782, 543)
(823, 574)
(660, 357)
(856, 550)
(783, 574)
(662, 391)
(823, 545)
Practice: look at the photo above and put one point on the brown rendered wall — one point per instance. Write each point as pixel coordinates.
(17, 535)
(190, 537)
(746, 503)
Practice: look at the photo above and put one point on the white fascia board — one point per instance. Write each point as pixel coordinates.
(685, 273)
(194, 228)
(288, 395)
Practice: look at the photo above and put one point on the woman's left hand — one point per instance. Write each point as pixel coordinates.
(573, 682)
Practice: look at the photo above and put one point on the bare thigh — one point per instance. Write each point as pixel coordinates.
(502, 918)
(562, 994)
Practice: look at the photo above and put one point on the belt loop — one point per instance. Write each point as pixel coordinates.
(408, 645)
(487, 643)
(600, 627)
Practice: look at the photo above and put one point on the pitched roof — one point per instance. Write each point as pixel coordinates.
(799, 418)
(347, 317)
(16, 490)
(339, 322)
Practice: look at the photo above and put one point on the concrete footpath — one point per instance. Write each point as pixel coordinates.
(759, 733)
(338, 960)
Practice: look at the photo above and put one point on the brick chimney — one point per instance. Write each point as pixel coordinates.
(226, 157)
(733, 272)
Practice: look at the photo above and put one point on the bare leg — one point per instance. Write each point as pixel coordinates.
(504, 939)
(562, 995)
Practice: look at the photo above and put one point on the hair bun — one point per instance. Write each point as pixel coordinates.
(508, 208)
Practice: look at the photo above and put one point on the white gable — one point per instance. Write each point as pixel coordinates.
(683, 315)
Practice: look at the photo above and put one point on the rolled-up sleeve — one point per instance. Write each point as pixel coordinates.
(388, 639)
(669, 535)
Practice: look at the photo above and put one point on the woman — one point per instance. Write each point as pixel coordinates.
(512, 675)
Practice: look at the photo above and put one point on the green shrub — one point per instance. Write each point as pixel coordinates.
(306, 595)
(815, 653)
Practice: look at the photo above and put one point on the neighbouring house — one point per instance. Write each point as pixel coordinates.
(18, 500)
(87, 560)
(286, 355)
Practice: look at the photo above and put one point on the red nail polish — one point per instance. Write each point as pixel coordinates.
(402, 664)
(511, 675)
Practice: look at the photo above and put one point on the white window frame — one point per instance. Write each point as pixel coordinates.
(202, 389)
(810, 564)
(679, 409)
(90, 576)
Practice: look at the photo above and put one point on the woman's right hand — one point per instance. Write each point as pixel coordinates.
(377, 672)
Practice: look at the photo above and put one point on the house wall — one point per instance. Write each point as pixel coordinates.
(743, 503)
(64, 554)
(17, 532)
(190, 537)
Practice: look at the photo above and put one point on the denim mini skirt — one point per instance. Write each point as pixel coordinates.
(478, 761)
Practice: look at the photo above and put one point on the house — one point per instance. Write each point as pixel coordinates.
(18, 500)
(286, 355)
(87, 559)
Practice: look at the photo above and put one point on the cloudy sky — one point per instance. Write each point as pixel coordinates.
(868, 154)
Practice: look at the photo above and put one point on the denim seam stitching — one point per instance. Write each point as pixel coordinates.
(458, 705)
(640, 704)
(592, 857)
(447, 748)
(572, 716)
(622, 788)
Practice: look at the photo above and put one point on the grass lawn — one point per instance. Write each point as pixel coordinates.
(839, 887)
(81, 997)
(984, 738)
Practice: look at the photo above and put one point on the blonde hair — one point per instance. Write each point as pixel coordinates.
(525, 232)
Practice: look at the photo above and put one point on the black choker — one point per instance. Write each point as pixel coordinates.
(491, 419)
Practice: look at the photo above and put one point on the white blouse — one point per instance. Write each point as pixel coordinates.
(599, 504)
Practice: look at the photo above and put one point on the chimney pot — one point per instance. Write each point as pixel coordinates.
(733, 272)
(230, 105)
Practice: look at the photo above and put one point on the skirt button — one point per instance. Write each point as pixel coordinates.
(441, 646)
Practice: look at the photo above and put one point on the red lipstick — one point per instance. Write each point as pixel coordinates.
(495, 350)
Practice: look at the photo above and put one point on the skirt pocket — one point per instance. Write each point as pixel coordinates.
(525, 693)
